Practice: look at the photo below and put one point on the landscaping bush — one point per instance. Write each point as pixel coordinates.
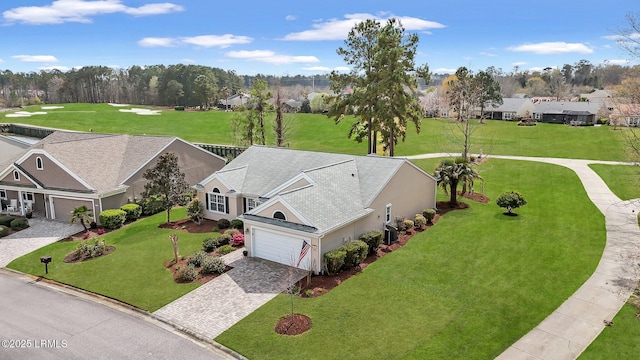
(112, 218)
(231, 232)
(178, 108)
(89, 249)
(187, 273)
(4, 231)
(209, 244)
(429, 214)
(357, 251)
(511, 200)
(223, 224)
(334, 260)
(225, 249)
(224, 239)
(237, 224)
(152, 205)
(6, 220)
(195, 211)
(213, 265)
(237, 239)
(419, 221)
(133, 211)
(373, 239)
(197, 259)
(407, 225)
(19, 224)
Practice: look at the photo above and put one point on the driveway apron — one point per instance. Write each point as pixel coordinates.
(41, 232)
(220, 303)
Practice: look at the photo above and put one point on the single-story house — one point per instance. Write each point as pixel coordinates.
(233, 101)
(66, 170)
(510, 108)
(567, 112)
(292, 199)
(625, 115)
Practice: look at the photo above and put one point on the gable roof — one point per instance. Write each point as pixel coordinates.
(560, 107)
(508, 105)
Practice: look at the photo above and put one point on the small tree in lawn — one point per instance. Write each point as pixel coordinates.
(174, 244)
(511, 200)
(165, 179)
(195, 211)
(81, 214)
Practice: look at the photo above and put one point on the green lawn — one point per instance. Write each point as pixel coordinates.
(623, 180)
(317, 132)
(133, 273)
(466, 289)
(619, 341)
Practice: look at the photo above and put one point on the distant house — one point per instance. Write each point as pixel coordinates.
(11, 146)
(567, 112)
(625, 115)
(233, 101)
(290, 199)
(66, 170)
(511, 108)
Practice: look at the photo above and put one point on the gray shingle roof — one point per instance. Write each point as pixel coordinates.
(558, 107)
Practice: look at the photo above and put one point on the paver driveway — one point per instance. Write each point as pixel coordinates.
(217, 305)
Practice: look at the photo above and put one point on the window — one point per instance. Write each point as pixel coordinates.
(387, 214)
(507, 116)
(279, 215)
(217, 201)
(253, 203)
(536, 116)
(27, 196)
(16, 175)
(3, 194)
(39, 164)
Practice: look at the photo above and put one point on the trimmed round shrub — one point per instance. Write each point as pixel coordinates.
(209, 244)
(19, 224)
(419, 221)
(223, 224)
(152, 205)
(224, 239)
(187, 273)
(429, 214)
(6, 220)
(197, 259)
(407, 224)
(225, 249)
(112, 218)
(231, 232)
(357, 251)
(213, 265)
(133, 211)
(334, 260)
(237, 239)
(237, 224)
(4, 231)
(373, 239)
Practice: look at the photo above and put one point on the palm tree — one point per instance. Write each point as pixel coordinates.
(451, 173)
(81, 214)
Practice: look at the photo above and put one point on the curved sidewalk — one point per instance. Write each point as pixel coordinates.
(569, 330)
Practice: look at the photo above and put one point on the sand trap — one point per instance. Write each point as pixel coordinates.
(26, 113)
(118, 105)
(51, 107)
(140, 111)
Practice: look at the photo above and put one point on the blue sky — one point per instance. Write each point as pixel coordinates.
(300, 37)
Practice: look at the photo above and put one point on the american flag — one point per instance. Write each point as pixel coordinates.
(303, 252)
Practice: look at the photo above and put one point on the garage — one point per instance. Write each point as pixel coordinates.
(61, 208)
(280, 247)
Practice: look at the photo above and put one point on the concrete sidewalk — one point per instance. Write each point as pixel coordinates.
(571, 328)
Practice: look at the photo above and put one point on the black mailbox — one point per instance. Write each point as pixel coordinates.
(45, 260)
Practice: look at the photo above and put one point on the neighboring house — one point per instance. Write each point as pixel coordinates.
(511, 108)
(625, 115)
(292, 105)
(570, 112)
(233, 101)
(11, 146)
(66, 170)
(287, 198)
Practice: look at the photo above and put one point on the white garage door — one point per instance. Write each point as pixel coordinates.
(281, 248)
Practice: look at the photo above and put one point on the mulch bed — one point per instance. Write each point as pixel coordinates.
(72, 259)
(293, 325)
(202, 279)
(189, 226)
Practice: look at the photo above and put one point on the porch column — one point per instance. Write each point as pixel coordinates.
(20, 202)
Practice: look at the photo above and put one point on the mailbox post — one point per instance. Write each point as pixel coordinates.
(45, 260)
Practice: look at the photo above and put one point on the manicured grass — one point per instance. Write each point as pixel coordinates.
(466, 289)
(317, 132)
(619, 341)
(623, 180)
(133, 273)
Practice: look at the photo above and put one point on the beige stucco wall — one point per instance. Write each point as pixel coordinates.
(51, 174)
(277, 206)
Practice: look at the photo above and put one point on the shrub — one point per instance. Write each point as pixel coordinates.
(133, 211)
(178, 108)
(19, 224)
(224, 239)
(237, 224)
(187, 273)
(407, 224)
(197, 259)
(357, 251)
(6, 220)
(223, 224)
(195, 211)
(209, 244)
(373, 239)
(213, 265)
(231, 232)
(152, 205)
(225, 249)
(237, 239)
(511, 200)
(419, 221)
(334, 260)
(4, 231)
(429, 214)
(112, 218)
(90, 249)
(215, 229)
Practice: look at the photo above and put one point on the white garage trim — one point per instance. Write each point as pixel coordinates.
(63, 214)
(281, 247)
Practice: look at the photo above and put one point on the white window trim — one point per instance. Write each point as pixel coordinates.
(253, 203)
(3, 194)
(216, 199)
(26, 195)
(40, 162)
(281, 212)
(387, 214)
(16, 175)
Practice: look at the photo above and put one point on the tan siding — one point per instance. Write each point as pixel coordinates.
(114, 202)
(268, 212)
(51, 174)
(24, 180)
(63, 207)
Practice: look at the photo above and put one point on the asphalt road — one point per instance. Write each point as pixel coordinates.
(37, 321)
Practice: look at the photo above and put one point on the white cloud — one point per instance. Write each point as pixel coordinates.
(290, 17)
(270, 57)
(55, 67)
(187, 60)
(221, 41)
(487, 54)
(81, 11)
(338, 29)
(36, 58)
(550, 48)
(156, 42)
(616, 62)
(326, 68)
(444, 71)
(519, 63)
(633, 36)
